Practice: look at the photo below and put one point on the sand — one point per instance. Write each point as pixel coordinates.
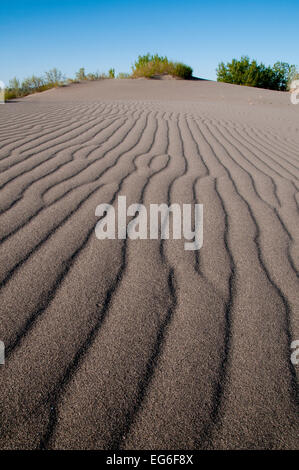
(138, 344)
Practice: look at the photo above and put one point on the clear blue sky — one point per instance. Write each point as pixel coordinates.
(36, 35)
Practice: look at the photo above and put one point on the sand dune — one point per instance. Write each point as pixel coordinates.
(123, 344)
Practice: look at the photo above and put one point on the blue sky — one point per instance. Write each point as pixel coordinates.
(37, 35)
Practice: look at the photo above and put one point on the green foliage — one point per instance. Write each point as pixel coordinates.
(182, 71)
(145, 66)
(96, 76)
(250, 73)
(283, 73)
(154, 61)
(80, 75)
(10, 94)
(123, 75)
(150, 65)
(54, 76)
(92, 76)
(14, 83)
(33, 84)
(50, 79)
(71, 80)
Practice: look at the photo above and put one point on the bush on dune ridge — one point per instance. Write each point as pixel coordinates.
(123, 75)
(16, 89)
(51, 79)
(249, 73)
(150, 65)
(146, 66)
(81, 76)
(240, 72)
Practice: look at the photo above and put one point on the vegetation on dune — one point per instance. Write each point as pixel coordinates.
(33, 84)
(82, 76)
(146, 66)
(240, 72)
(151, 65)
(250, 73)
(123, 75)
(52, 78)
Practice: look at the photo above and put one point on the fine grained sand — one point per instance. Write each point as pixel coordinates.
(139, 344)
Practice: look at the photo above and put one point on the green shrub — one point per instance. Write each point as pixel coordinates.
(80, 75)
(50, 79)
(250, 73)
(14, 84)
(96, 76)
(92, 76)
(10, 94)
(54, 76)
(150, 65)
(123, 75)
(71, 80)
(183, 71)
(111, 73)
(34, 84)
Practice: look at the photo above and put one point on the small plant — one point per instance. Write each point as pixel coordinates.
(92, 76)
(11, 94)
(54, 76)
(123, 75)
(14, 84)
(150, 65)
(34, 84)
(182, 71)
(111, 73)
(80, 75)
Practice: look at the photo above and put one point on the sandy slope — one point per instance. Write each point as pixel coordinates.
(140, 344)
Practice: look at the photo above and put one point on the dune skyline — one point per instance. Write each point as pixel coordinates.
(99, 35)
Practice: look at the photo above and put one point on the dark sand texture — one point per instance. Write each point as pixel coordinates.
(139, 344)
